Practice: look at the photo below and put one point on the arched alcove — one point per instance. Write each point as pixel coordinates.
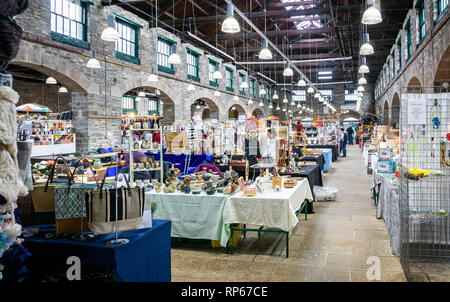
(414, 85)
(395, 111)
(442, 74)
(386, 113)
(258, 113)
(234, 111)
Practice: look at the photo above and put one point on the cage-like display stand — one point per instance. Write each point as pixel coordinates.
(424, 202)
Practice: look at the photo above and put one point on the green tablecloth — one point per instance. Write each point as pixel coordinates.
(193, 216)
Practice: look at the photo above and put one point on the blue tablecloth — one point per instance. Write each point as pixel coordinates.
(328, 156)
(146, 258)
(179, 160)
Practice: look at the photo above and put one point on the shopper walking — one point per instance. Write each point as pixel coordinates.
(350, 135)
(343, 141)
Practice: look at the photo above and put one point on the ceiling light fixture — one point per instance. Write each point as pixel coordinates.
(230, 25)
(372, 15)
(367, 48)
(51, 81)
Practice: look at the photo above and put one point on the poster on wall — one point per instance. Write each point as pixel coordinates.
(417, 112)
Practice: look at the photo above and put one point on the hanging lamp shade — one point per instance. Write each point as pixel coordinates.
(285, 100)
(366, 49)
(191, 87)
(174, 58)
(217, 93)
(299, 106)
(110, 33)
(362, 81)
(198, 106)
(301, 83)
(217, 75)
(93, 62)
(265, 53)
(361, 88)
(261, 104)
(284, 109)
(360, 94)
(153, 77)
(287, 72)
(292, 103)
(230, 25)
(138, 99)
(236, 98)
(317, 95)
(233, 108)
(250, 102)
(275, 95)
(278, 108)
(62, 89)
(289, 111)
(243, 85)
(141, 94)
(270, 106)
(363, 68)
(321, 99)
(262, 92)
(50, 81)
(372, 14)
(310, 89)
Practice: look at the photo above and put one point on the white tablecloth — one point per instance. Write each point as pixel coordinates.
(269, 209)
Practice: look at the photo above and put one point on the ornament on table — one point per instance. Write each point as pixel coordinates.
(145, 144)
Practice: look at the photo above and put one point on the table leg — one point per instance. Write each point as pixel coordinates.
(287, 244)
(231, 241)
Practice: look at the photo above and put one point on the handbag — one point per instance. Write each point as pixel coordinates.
(101, 208)
(69, 201)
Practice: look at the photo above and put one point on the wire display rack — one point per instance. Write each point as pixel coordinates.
(424, 198)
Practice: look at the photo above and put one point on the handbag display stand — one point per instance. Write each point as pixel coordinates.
(118, 241)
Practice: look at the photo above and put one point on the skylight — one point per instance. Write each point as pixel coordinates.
(304, 22)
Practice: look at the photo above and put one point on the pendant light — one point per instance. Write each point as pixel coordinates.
(197, 107)
(265, 53)
(141, 94)
(51, 81)
(361, 88)
(316, 95)
(366, 49)
(275, 95)
(278, 108)
(289, 111)
(262, 92)
(62, 89)
(299, 106)
(363, 68)
(153, 77)
(372, 14)
(321, 99)
(217, 92)
(292, 103)
(235, 98)
(285, 100)
(362, 80)
(360, 94)
(244, 85)
(174, 58)
(217, 75)
(93, 62)
(250, 101)
(301, 83)
(190, 87)
(270, 106)
(110, 33)
(310, 89)
(284, 109)
(261, 104)
(287, 72)
(230, 25)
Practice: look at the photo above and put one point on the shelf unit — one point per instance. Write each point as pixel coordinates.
(131, 150)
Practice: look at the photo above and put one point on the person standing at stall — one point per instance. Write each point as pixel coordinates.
(343, 141)
(350, 135)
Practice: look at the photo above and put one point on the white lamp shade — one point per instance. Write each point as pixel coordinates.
(287, 72)
(231, 25)
(235, 98)
(275, 96)
(217, 93)
(62, 89)
(292, 103)
(197, 107)
(284, 109)
(250, 102)
(265, 54)
(174, 58)
(50, 81)
(152, 78)
(138, 99)
(110, 34)
(233, 108)
(261, 104)
(141, 94)
(371, 16)
(301, 83)
(289, 111)
(316, 95)
(243, 85)
(191, 87)
(321, 99)
(278, 108)
(360, 94)
(310, 89)
(217, 75)
(366, 49)
(360, 88)
(299, 106)
(270, 106)
(285, 100)
(262, 92)
(93, 63)
(362, 81)
(363, 69)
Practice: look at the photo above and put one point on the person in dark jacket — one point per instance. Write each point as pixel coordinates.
(350, 135)
(343, 141)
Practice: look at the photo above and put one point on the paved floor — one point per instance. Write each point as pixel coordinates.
(332, 245)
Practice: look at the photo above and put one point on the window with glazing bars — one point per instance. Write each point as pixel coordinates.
(442, 6)
(68, 18)
(351, 98)
(327, 93)
(241, 79)
(261, 87)
(192, 64)
(128, 38)
(299, 96)
(421, 22)
(252, 88)
(229, 78)
(153, 105)
(399, 47)
(164, 51)
(127, 102)
(268, 93)
(213, 67)
(408, 41)
(393, 63)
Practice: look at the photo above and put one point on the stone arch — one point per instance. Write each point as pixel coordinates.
(167, 95)
(442, 73)
(414, 85)
(210, 111)
(235, 110)
(350, 113)
(258, 113)
(386, 113)
(394, 118)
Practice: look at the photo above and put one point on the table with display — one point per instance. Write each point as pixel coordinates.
(270, 211)
(334, 148)
(145, 258)
(182, 160)
(318, 159)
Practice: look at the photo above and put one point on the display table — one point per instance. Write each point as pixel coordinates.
(269, 209)
(312, 173)
(388, 207)
(320, 160)
(196, 216)
(179, 160)
(146, 258)
(334, 149)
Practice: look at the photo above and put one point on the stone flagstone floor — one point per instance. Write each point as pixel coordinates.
(332, 245)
